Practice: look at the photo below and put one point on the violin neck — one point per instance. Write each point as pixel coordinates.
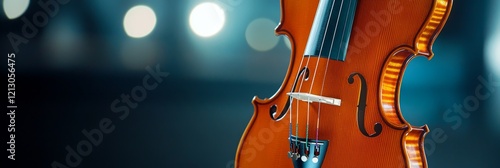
(331, 29)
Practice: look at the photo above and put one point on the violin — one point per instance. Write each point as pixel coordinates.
(338, 105)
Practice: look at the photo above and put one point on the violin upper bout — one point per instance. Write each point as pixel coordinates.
(432, 27)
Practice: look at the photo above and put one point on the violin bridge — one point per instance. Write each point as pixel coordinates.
(307, 97)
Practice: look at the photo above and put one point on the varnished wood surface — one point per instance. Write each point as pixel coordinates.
(379, 49)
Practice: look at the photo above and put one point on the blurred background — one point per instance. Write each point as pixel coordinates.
(78, 57)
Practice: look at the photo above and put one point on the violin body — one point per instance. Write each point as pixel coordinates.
(367, 128)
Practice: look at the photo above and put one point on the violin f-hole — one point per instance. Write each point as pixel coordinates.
(304, 73)
(362, 106)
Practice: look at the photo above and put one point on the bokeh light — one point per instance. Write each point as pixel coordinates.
(492, 46)
(137, 54)
(207, 19)
(287, 42)
(492, 59)
(260, 34)
(493, 53)
(15, 8)
(139, 21)
(63, 38)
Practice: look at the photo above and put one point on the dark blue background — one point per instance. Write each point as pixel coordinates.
(197, 115)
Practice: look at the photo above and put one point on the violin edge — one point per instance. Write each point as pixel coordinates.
(432, 27)
(394, 67)
(392, 76)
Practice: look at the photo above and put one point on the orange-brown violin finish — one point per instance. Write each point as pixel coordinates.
(380, 49)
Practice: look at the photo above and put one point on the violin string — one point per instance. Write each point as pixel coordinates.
(300, 88)
(290, 110)
(343, 31)
(291, 104)
(327, 64)
(297, 110)
(297, 102)
(316, 68)
(326, 70)
(299, 70)
(290, 124)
